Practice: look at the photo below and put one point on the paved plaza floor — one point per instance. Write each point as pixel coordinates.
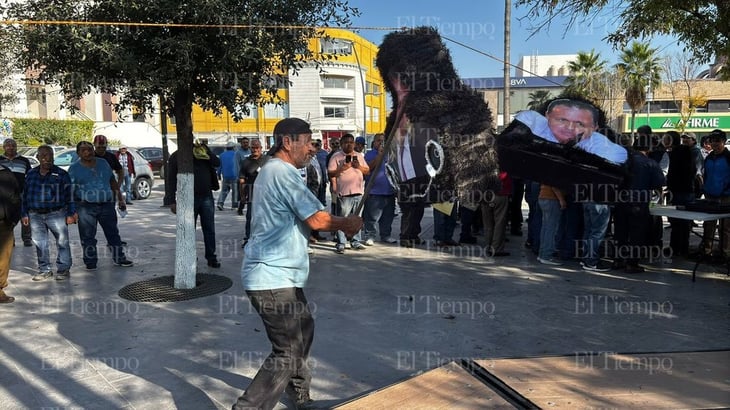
(382, 315)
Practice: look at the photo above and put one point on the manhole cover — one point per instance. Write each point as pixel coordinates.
(162, 289)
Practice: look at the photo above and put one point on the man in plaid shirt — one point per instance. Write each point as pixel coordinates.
(48, 206)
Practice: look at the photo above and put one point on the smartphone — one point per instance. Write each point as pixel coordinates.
(348, 158)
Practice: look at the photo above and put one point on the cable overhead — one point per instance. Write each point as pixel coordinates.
(243, 26)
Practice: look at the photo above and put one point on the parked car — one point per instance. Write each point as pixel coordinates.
(154, 156)
(143, 179)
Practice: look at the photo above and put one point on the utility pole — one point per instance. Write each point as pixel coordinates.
(505, 100)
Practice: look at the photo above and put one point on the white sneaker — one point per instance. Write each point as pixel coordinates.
(369, 242)
(551, 262)
(390, 240)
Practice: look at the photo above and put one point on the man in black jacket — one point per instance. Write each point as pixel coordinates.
(9, 216)
(20, 166)
(204, 164)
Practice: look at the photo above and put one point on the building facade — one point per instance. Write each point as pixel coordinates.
(343, 95)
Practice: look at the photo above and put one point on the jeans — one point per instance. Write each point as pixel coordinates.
(104, 214)
(378, 215)
(595, 221)
(570, 230)
(444, 225)
(203, 206)
(55, 222)
(290, 328)
(229, 184)
(347, 207)
(551, 214)
(127, 187)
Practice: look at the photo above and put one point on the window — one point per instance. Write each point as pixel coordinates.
(718, 106)
(335, 112)
(376, 114)
(335, 82)
(336, 46)
(240, 113)
(276, 111)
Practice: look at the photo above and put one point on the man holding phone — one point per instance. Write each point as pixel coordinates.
(348, 167)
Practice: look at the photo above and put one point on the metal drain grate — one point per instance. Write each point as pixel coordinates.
(162, 289)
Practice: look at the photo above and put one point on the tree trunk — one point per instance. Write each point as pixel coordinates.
(185, 253)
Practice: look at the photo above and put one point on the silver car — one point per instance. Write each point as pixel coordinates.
(143, 178)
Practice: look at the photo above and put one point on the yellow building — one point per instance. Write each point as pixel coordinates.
(346, 96)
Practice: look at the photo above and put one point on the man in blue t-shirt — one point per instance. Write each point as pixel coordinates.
(95, 190)
(379, 210)
(276, 266)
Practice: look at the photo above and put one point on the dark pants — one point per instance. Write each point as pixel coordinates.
(515, 206)
(290, 328)
(410, 220)
(106, 216)
(679, 238)
(570, 231)
(466, 216)
(203, 207)
(632, 225)
(444, 225)
(534, 216)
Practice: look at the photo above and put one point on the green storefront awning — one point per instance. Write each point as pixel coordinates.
(666, 122)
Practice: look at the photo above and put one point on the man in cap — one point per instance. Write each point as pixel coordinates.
(360, 144)
(717, 187)
(228, 173)
(276, 266)
(126, 160)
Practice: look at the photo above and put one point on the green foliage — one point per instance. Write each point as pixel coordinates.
(587, 75)
(538, 99)
(34, 132)
(228, 53)
(702, 26)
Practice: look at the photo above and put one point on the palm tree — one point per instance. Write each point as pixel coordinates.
(587, 76)
(538, 99)
(639, 69)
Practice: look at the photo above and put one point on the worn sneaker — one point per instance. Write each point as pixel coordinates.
(390, 239)
(340, 248)
(369, 242)
(220, 207)
(595, 268)
(124, 263)
(357, 246)
(214, 263)
(42, 276)
(62, 274)
(27, 243)
(551, 262)
(90, 267)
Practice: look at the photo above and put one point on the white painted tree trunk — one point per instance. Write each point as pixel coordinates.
(185, 249)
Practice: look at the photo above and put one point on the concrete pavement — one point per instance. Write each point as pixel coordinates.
(381, 314)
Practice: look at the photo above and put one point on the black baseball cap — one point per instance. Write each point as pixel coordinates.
(290, 127)
(644, 129)
(717, 135)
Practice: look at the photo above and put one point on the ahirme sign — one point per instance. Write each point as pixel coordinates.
(667, 122)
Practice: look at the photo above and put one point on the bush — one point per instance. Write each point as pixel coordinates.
(35, 132)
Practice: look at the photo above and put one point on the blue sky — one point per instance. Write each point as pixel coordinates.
(479, 24)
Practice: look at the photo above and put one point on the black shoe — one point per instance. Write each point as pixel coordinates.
(498, 254)
(468, 240)
(240, 212)
(125, 263)
(220, 207)
(213, 263)
(27, 243)
(90, 267)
